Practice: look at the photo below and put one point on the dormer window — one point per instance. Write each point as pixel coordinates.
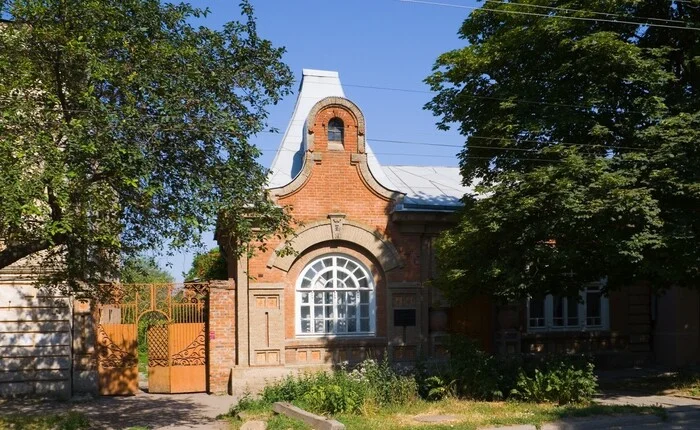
(335, 130)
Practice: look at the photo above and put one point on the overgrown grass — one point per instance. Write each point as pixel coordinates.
(264, 413)
(66, 421)
(470, 415)
(471, 388)
(474, 414)
(371, 384)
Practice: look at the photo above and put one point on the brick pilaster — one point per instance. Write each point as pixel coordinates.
(222, 336)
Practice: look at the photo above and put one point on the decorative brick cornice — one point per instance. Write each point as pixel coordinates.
(361, 161)
(222, 284)
(309, 159)
(358, 158)
(349, 231)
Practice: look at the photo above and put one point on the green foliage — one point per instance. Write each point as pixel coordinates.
(437, 388)
(125, 128)
(148, 320)
(332, 399)
(283, 422)
(586, 140)
(477, 374)
(370, 384)
(474, 374)
(207, 266)
(386, 386)
(65, 421)
(143, 270)
(562, 383)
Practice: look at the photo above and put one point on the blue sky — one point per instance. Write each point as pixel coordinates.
(378, 43)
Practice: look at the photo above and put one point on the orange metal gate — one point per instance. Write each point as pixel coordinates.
(176, 345)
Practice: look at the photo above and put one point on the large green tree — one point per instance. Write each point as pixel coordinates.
(143, 270)
(207, 266)
(584, 131)
(123, 127)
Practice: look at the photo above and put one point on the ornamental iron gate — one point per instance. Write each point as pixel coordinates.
(171, 320)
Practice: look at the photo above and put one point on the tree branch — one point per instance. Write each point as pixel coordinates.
(13, 253)
(56, 211)
(59, 88)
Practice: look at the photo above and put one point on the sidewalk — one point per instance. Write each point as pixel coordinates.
(682, 413)
(154, 411)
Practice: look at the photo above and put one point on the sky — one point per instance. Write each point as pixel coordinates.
(370, 43)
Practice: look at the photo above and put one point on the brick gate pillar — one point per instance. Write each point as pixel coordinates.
(221, 353)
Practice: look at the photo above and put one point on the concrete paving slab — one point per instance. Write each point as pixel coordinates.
(516, 427)
(436, 419)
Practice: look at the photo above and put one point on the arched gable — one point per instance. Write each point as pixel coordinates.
(337, 228)
(358, 157)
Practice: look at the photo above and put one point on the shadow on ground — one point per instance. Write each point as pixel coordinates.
(153, 411)
(649, 380)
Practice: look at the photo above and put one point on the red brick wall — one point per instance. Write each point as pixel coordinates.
(222, 336)
(336, 186)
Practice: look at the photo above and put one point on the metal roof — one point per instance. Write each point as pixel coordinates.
(425, 187)
(428, 187)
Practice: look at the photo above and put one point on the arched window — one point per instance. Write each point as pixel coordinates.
(335, 130)
(335, 296)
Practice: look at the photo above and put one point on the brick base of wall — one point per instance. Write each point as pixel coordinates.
(221, 336)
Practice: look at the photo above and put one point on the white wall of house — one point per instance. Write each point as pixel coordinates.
(35, 337)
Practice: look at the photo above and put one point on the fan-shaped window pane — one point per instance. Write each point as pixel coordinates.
(339, 286)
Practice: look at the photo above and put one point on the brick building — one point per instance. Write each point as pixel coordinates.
(357, 284)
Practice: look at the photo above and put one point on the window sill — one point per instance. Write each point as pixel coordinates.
(335, 145)
(321, 341)
(569, 332)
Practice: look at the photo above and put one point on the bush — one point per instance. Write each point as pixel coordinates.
(477, 374)
(562, 382)
(291, 388)
(470, 373)
(437, 388)
(333, 399)
(474, 374)
(384, 384)
(370, 383)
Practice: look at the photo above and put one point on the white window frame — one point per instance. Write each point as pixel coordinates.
(582, 317)
(372, 299)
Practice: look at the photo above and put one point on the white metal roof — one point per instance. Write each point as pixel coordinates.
(315, 85)
(425, 187)
(428, 187)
